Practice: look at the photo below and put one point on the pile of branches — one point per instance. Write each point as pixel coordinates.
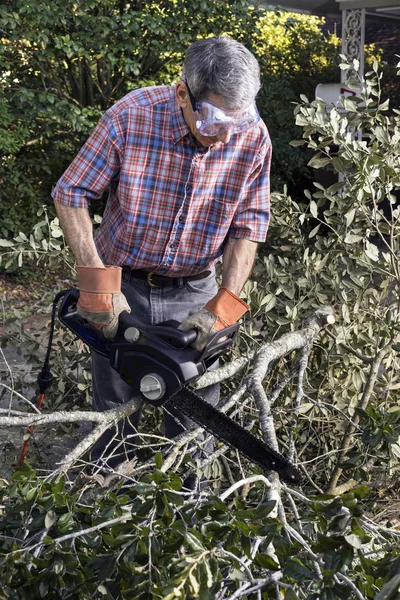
(136, 532)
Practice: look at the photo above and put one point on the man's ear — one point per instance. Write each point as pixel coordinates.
(181, 94)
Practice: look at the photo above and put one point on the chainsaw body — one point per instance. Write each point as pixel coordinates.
(157, 360)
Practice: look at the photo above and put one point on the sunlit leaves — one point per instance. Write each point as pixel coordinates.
(197, 550)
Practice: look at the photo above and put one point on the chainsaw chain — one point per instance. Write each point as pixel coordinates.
(274, 461)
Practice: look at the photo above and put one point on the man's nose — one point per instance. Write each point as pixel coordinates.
(224, 137)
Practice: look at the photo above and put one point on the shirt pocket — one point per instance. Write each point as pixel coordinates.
(219, 212)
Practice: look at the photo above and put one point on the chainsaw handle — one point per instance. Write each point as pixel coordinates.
(219, 342)
(168, 332)
(175, 337)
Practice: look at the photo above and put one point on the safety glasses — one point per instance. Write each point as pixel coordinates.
(212, 120)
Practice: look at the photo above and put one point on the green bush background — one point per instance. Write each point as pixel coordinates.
(64, 63)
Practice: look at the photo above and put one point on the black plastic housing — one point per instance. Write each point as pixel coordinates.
(161, 349)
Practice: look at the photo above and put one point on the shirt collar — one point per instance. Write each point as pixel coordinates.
(178, 123)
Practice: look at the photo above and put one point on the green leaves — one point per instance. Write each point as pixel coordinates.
(297, 570)
(390, 590)
(354, 541)
(194, 542)
(318, 161)
(314, 209)
(63, 64)
(172, 546)
(188, 558)
(45, 243)
(50, 519)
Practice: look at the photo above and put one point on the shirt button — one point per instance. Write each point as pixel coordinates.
(181, 219)
(173, 246)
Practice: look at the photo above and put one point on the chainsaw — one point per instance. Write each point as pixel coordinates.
(159, 363)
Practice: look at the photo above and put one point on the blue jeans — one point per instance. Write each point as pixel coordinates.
(152, 306)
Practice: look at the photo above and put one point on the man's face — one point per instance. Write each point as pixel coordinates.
(189, 115)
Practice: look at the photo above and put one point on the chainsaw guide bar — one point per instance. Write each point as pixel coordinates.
(233, 435)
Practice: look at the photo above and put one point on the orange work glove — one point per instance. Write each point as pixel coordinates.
(220, 312)
(100, 299)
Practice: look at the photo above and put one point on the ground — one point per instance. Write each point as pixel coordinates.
(26, 299)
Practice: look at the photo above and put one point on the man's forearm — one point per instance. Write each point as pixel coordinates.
(237, 263)
(78, 230)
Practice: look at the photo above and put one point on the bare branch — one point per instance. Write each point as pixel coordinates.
(303, 362)
(271, 351)
(225, 372)
(21, 397)
(11, 377)
(243, 482)
(114, 416)
(347, 581)
(349, 433)
(76, 534)
(246, 588)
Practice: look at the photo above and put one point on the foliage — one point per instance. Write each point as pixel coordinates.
(146, 541)
(305, 266)
(295, 57)
(64, 63)
(69, 389)
(151, 539)
(44, 251)
(45, 243)
(342, 250)
(70, 364)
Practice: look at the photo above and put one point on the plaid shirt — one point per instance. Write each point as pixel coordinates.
(171, 203)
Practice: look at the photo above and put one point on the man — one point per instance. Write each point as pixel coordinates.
(187, 168)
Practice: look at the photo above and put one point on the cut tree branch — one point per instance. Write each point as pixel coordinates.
(351, 427)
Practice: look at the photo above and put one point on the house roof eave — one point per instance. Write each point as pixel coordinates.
(388, 9)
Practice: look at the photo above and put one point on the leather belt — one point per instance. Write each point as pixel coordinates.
(155, 280)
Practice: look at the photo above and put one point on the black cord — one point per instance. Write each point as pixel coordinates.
(45, 377)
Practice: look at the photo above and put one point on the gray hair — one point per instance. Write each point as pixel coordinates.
(222, 66)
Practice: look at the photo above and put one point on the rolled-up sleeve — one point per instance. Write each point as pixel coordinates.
(252, 216)
(93, 169)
